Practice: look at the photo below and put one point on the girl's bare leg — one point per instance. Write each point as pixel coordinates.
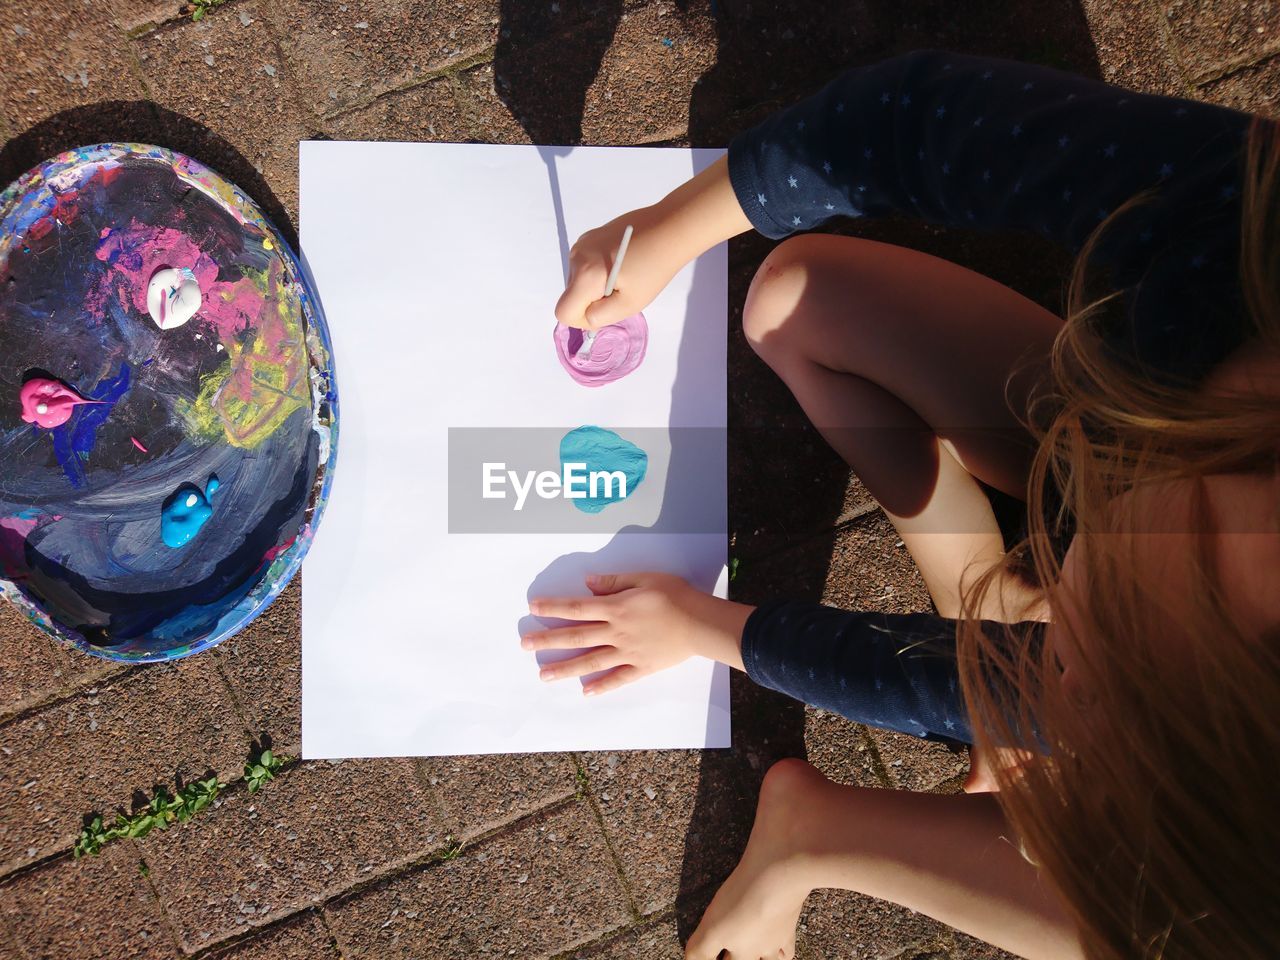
(911, 367)
(951, 857)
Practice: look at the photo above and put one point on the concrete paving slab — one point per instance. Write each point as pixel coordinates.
(229, 80)
(348, 53)
(841, 749)
(921, 765)
(1255, 88)
(659, 940)
(965, 947)
(264, 666)
(491, 119)
(678, 820)
(8, 943)
(643, 89)
(141, 16)
(838, 923)
(1133, 46)
(58, 56)
(34, 667)
(95, 908)
(94, 750)
(481, 793)
(546, 57)
(461, 108)
(304, 837)
(860, 566)
(1210, 34)
(534, 892)
(870, 571)
(302, 939)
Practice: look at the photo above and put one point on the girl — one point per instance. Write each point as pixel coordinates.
(1131, 737)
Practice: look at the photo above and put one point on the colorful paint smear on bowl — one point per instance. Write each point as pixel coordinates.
(158, 342)
(604, 453)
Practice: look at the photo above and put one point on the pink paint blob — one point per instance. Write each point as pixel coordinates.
(137, 443)
(616, 351)
(138, 251)
(49, 403)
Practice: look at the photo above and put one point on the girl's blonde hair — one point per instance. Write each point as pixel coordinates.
(1151, 803)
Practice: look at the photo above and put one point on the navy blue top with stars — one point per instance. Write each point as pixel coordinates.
(990, 144)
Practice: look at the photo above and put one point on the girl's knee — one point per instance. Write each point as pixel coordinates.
(776, 292)
(788, 779)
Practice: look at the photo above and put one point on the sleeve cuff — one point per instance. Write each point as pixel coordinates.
(745, 181)
(751, 633)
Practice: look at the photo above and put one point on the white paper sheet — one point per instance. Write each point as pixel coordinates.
(438, 266)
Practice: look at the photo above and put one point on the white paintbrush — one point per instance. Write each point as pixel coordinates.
(589, 337)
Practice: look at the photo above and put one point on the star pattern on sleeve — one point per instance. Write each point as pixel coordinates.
(994, 145)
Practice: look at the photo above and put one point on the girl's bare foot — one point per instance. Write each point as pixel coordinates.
(754, 913)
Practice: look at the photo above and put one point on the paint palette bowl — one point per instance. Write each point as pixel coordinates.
(168, 413)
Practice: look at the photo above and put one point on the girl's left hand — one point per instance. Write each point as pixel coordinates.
(635, 624)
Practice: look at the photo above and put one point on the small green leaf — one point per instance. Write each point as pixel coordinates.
(198, 15)
(254, 785)
(266, 758)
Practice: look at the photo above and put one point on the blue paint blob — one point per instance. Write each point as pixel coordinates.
(185, 512)
(603, 451)
(74, 440)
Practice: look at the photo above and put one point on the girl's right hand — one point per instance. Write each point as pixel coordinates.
(647, 267)
(680, 227)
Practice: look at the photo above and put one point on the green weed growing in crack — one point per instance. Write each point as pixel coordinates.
(163, 809)
(452, 850)
(581, 779)
(201, 7)
(167, 807)
(259, 771)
